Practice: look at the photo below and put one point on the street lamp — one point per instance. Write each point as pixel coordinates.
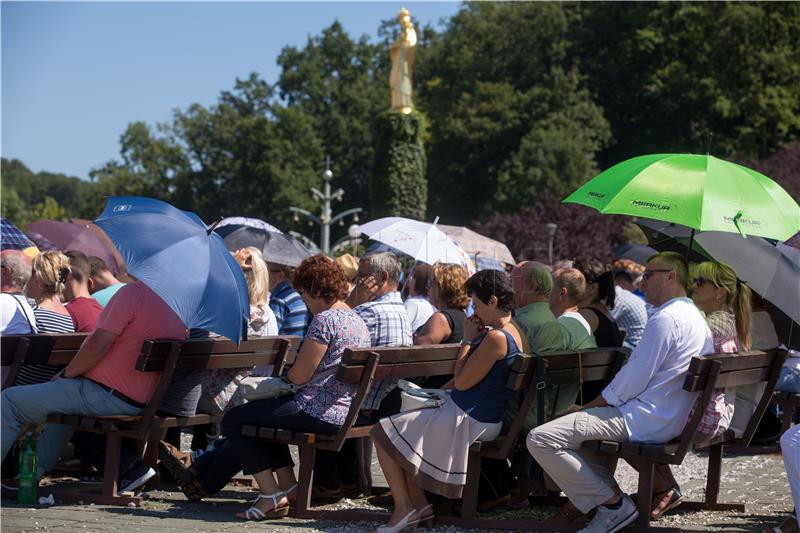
(551, 233)
(325, 218)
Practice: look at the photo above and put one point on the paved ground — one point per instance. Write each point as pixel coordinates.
(758, 480)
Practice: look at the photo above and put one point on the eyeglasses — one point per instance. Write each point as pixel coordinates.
(648, 273)
(698, 281)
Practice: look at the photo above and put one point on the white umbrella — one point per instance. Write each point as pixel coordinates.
(421, 240)
(247, 221)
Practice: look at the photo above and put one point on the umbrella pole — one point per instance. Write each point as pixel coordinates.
(689, 250)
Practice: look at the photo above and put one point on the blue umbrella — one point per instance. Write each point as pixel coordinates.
(11, 238)
(175, 254)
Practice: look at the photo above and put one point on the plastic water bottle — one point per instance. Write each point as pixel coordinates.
(28, 482)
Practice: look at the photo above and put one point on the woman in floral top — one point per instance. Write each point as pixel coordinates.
(318, 407)
(726, 303)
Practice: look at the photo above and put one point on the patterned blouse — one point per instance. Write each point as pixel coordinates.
(329, 399)
(716, 417)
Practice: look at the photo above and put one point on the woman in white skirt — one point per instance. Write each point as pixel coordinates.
(426, 449)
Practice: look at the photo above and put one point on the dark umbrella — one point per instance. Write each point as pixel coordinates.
(278, 248)
(68, 237)
(772, 270)
(638, 253)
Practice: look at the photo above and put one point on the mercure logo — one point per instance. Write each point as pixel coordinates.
(124, 207)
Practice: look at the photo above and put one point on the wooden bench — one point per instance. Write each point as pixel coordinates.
(704, 376)
(169, 357)
(536, 378)
(51, 349)
(359, 367)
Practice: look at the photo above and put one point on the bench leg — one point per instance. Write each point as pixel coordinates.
(714, 473)
(645, 493)
(111, 467)
(469, 499)
(305, 481)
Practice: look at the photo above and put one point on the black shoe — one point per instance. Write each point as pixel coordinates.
(134, 478)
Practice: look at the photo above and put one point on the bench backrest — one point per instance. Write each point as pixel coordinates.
(536, 374)
(718, 371)
(52, 349)
(169, 356)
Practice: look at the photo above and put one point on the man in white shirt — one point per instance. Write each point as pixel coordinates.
(645, 402)
(16, 315)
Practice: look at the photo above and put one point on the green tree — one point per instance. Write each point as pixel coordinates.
(667, 74)
(342, 86)
(510, 116)
(13, 208)
(49, 210)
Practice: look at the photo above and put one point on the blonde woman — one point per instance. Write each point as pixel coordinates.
(446, 292)
(46, 287)
(262, 319)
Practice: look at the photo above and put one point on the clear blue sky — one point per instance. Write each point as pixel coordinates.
(74, 75)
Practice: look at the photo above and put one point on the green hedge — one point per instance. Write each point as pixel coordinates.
(398, 186)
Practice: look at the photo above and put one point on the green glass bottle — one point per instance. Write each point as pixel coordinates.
(28, 482)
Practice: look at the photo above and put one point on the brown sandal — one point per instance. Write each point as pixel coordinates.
(568, 514)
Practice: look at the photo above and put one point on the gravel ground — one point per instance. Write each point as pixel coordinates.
(758, 480)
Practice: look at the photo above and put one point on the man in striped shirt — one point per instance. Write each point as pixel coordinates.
(291, 313)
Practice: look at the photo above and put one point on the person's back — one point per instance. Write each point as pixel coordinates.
(134, 314)
(84, 309)
(291, 314)
(16, 315)
(576, 332)
(630, 312)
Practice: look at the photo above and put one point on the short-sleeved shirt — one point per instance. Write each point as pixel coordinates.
(16, 315)
(388, 324)
(578, 332)
(541, 332)
(84, 312)
(419, 310)
(630, 312)
(104, 295)
(135, 314)
(329, 399)
(291, 314)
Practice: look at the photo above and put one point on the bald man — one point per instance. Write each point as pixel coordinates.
(532, 284)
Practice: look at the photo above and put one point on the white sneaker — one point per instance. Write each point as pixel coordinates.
(610, 520)
(135, 478)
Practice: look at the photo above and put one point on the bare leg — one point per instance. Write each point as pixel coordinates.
(287, 482)
(662, 475)
(415, 493)
(396, 477)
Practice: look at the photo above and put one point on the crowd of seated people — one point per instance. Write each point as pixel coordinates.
(666, 314)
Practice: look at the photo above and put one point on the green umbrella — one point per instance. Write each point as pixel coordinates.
(698, 191)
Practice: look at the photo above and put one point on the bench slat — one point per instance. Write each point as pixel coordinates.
(391, 354)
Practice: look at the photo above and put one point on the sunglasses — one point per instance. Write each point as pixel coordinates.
(647, 274)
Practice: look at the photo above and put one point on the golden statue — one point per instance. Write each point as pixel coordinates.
(402, 54)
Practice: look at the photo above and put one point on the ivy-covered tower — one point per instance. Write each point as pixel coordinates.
(398, 186)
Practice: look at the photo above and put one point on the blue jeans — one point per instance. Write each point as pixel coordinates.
(73, 396)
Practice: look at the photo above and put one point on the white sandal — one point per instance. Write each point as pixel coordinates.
(254, 514)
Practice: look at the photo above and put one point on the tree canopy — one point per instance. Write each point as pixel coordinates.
(523, 102)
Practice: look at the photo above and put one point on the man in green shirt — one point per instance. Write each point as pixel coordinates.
(568, 288)
(532, 285)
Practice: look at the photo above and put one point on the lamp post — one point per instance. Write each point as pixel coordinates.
(325, 218)
(354, 231)
(551, 233)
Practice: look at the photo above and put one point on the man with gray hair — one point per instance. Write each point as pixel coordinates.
(16, 315)
(377, 301)
(532, 284)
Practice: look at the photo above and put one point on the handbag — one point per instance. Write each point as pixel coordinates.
(262, 388)
(413, 396)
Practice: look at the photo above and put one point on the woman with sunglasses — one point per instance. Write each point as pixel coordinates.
(725, 301)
